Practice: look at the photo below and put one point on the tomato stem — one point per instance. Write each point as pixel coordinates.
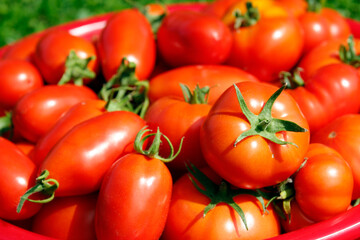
(249, 18)
(292, 80)
(315, 5)
(6, 124)
(198, 96)
(347, 53)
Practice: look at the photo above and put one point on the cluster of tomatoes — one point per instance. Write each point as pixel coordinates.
(235, 121)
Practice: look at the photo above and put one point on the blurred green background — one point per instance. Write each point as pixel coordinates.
(19, 18)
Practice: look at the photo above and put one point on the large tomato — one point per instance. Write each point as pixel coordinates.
(37, 112)
(296, 220)
(244, 145)
(127, 34)
(343, 135)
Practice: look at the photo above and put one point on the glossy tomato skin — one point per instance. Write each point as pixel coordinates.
(188, 37)
(81, 158)
(217, 77)
(17, 175)
(329, 93)
(324, 185)
(54, 47)
(343, 135)
(67, 218)
(297, 219)
(255, 162)
(127, 34)
(37, 112)
(177, 119)
(74, 116)
(186, 221)
(134, 199)
(18, 77)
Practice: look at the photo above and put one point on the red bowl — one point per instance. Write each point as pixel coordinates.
(344, 226)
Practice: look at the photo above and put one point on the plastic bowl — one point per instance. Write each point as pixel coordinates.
(344, 226)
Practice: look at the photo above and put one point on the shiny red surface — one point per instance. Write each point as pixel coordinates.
(344, 226)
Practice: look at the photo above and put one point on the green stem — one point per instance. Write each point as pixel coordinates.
(348, 54)
(198, 96)
(249, 18)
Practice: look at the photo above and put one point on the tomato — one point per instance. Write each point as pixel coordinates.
(74, 116)
(81, 157)
(295, 7)
(324, 185)
(188, 37)
(116, 41)
(217, 77)
(27, 148)
(329, 93)
(18, 78)
(67, 218)
(17, 174)
(53, 49)
(232, 142)
(343, 135)
(186, 218)
(219, 7)
(37, 112)
(264, 36)
(296, 220)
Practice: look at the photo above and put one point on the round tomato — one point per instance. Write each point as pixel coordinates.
(296, 220)
(242, 141)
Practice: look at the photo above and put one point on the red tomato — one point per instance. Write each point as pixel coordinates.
(297, 219)
(134, 199)
(67, 218)
(117, 40)
(186, 221)
(255, 47)
(53, 49)
(217, 77)
(255, 161)
(343, 135)
(17, 175)
(38, 111)
(295, 7)
(27, 148)
(74, 116)
(329, 93)
(81, 158)
(18, 77)
(219, 7)
(188, 37)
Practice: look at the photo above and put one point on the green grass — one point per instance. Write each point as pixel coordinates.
(22, 17)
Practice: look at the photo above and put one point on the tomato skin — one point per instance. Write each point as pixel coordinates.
(134, 199)
(217, 77)
(295, 7)
(219, 7)
(185, 219)
(36, 112)
(75, 115)
(297, 220)
(331, 92)
(343, 135)
(117, 41)
(81, 158)
(67, 218)
(240, 165)
(324, 185)
(188, 37)
(18, 77)
(17, 175)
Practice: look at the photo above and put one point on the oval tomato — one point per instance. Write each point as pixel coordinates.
(233, 146)
(116, 41)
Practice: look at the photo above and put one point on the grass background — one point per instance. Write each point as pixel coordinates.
(22, 17)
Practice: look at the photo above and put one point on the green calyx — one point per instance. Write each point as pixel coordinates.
(347, 53)
(315, 5)
(198, 96)
(6, 124)
(249, 18)
(154, 150)
(222, 193)
(292, 80)
(264, 124)
(125, 92)
(44, 186)
(76, 69)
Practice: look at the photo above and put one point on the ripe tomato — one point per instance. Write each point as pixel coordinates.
(343, 135)
(116, 41)
(37, 112)
(27, 148)
(67, 218)
(324, 185)
(18, 77)
(188, 37)
(219, 7)
(53, 49)
(295, 7)
(77, 114)
(17, 175)
(255, 161)
(297, 219)
(217, 77)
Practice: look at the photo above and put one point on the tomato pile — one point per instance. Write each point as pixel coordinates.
(239, 120)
